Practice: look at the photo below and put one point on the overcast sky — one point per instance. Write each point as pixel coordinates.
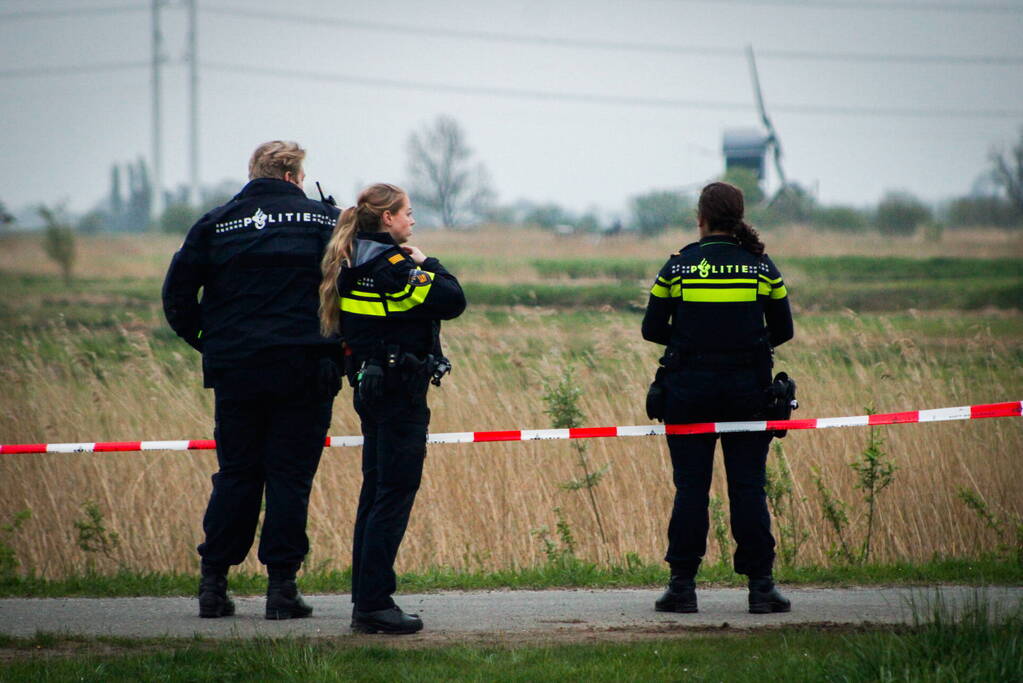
(655, 118)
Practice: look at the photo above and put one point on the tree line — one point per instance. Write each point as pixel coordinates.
(450, 187)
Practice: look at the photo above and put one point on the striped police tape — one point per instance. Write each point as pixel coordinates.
(1008, 409)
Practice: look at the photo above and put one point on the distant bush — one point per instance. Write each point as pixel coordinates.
(793, 204)
(178, 218)
(59, 240)
(983, 211)
(746, 180)
(547, 216)
(900, 213)
(655, 211)
(840, 218)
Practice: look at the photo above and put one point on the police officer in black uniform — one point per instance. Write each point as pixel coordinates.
(720, 307)
(274, 376)
(387, 300)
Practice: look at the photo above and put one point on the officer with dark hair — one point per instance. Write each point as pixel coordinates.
(720, 307)
(387, 298)
(256, 260)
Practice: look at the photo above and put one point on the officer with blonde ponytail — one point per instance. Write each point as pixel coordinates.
(386, 299)
(720, 307)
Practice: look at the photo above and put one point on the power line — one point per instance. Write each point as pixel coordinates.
(72, 70)
(621, 100)
(622, 46)
(976, 7)
(57, 13)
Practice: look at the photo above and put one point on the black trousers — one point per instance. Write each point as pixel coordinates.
(394, 449)
(271, 423)
(718, 395)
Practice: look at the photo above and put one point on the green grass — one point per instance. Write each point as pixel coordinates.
(972, 647)
(570, 574)
(871, 269)
(617, 295)
(615, 268)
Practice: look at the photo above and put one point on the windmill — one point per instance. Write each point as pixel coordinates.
(747, 147)
(772, 135)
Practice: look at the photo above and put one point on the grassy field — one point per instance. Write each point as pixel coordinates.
(972, 648)
(890, 325)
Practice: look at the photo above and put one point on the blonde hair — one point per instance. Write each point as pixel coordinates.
(364, 216)
(275, 158)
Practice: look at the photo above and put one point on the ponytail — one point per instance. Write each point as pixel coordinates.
(337, 254)
(749, 239)
(365, 216)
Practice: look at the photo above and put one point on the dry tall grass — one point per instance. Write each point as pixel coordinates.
(144, 256)
(479, 502)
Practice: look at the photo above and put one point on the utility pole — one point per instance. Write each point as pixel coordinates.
(157, 57)
(193, 103)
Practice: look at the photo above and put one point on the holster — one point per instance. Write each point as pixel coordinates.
(657, 394)
(781, 400)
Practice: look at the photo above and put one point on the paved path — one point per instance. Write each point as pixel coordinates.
(475, 614)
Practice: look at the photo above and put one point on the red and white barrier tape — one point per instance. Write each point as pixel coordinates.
(1009, 409)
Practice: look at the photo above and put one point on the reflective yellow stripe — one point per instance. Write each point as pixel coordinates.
(767, 279)
(400, 293)
(779, 292)
(359, 307)
(764, 289)
(729, 295)
(417, 297)
(715, 281)
(660, 291)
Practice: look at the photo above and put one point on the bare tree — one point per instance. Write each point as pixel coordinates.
(443, 177)
(1007, 173)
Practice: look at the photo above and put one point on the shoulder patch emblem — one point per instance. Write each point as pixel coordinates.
(397, 258)
(417, 278)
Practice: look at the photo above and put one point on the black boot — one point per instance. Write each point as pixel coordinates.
(283, 601)
(764, 598)
(213, 599)
(680, 596)
(392, 621)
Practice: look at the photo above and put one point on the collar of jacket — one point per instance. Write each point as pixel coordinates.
(727, 239)
(369, 246)
(265, 186)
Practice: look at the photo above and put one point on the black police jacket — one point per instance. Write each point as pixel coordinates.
(716, 297)
(387, 300)
(257, 261)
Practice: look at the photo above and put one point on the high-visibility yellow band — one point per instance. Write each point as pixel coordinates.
(359, 307)
(725, 295)
(767, 279)
(764, 289)
(779, 292)
(366, 295)
(417, 297)
(400, 294)
(673, 291)
(721, 281)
